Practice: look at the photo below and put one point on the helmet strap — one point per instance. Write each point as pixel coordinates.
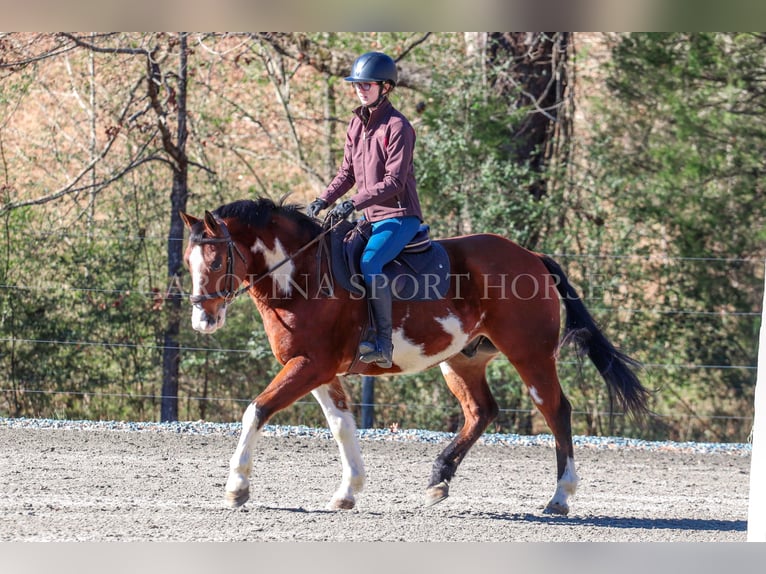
(381, 96)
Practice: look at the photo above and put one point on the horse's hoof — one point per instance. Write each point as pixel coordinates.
(435, 494)
(237, 498)
(556, 508)
(341, 504)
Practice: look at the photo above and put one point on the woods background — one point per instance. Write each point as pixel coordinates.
(636, 160)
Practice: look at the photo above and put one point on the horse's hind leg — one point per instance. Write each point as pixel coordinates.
(334, 403)
(467, 380)
(539, 374)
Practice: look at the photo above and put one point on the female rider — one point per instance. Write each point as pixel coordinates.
(378, 159)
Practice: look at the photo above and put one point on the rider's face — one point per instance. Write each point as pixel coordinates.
(367, 92)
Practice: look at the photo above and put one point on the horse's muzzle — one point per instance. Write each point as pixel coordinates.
(205, 322)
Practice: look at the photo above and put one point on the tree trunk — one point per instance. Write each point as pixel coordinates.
(530, 70)
(171, 354)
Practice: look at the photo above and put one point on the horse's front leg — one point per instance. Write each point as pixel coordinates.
(334, 402)
(296, 379)
(241, 463)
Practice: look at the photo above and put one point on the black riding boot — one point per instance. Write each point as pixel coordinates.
(380, 304)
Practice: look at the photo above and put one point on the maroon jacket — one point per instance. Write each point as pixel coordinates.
(378, 158)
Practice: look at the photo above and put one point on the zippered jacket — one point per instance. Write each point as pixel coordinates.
(378, 159)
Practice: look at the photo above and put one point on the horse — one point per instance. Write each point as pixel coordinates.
(503, 299)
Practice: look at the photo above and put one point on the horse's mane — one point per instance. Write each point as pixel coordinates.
(258, 212)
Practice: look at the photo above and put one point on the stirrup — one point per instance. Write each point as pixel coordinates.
(367, 347)
(378, 358)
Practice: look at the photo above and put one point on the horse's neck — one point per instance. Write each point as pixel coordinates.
(283, 268)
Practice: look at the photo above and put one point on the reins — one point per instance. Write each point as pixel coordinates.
(229, 294)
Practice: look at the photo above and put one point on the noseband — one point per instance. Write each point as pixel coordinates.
(229, 293)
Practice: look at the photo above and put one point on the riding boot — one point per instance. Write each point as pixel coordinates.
(380, 304)
(369, 343)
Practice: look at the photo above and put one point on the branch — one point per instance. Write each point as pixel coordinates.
(70, 188)
(21, 63)
(94, 48)
(154, 80)
(309, 170)
(283, 101)
(335, 63)
(414, 44)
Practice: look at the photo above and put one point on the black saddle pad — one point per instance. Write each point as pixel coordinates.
(420, 273)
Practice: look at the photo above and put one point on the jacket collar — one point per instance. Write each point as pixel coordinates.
(383, 108)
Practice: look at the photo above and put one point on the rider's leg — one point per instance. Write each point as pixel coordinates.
(388, 239)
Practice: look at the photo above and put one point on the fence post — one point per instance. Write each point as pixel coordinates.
(368, 402)
(756, 512)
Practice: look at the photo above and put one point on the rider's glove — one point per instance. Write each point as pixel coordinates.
(315, 207)
(343, 210)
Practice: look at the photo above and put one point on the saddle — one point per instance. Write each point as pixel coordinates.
(421, 272)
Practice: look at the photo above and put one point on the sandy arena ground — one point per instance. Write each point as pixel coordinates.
(75, 485)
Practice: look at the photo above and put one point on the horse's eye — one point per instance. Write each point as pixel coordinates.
(216, 265)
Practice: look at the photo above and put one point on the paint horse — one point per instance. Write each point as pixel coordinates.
(502, 299)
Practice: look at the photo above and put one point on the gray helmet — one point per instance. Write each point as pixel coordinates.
(373, 67)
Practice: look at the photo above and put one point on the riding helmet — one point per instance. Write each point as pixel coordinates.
(373, 67)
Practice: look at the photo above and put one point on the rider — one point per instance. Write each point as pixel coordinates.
(378, 158)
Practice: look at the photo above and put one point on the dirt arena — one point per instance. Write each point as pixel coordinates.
(70, 485)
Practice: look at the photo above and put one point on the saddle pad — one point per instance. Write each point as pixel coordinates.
(423, 275)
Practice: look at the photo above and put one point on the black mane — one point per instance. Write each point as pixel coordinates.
(257, 213)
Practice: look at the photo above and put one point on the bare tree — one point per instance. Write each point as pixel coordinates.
(159, 93)
(167, 97)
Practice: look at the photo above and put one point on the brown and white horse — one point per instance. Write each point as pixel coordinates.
(503, 299)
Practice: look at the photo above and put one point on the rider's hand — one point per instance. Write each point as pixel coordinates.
(315, 207)
(343, 210)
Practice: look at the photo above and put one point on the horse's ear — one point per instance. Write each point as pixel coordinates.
(189, 220)
(211, 223)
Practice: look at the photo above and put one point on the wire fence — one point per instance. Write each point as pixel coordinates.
(305, 403)
(53, 286)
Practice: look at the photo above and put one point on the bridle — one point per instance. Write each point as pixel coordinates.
(229, 293)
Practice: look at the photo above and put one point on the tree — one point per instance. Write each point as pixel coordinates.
(165, 97)
(168, 106)
(679, 159)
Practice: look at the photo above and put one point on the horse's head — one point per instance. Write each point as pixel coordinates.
(217, 268)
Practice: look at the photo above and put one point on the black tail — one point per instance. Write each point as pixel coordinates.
(615, 367)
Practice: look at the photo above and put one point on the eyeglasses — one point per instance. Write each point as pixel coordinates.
(363, 86)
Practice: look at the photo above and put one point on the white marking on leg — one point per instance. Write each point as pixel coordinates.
(241, 463)
(343, 429)
(566, 486)
(282, 276)
(446, 369)
(535, 395)
(411, 358)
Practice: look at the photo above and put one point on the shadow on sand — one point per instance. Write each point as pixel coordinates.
(624, 522)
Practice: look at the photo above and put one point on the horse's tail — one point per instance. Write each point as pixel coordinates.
(581, 329)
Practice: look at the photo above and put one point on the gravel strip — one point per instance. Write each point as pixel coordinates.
(401, 435)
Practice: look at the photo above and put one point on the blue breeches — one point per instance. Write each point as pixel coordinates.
(389, 237)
